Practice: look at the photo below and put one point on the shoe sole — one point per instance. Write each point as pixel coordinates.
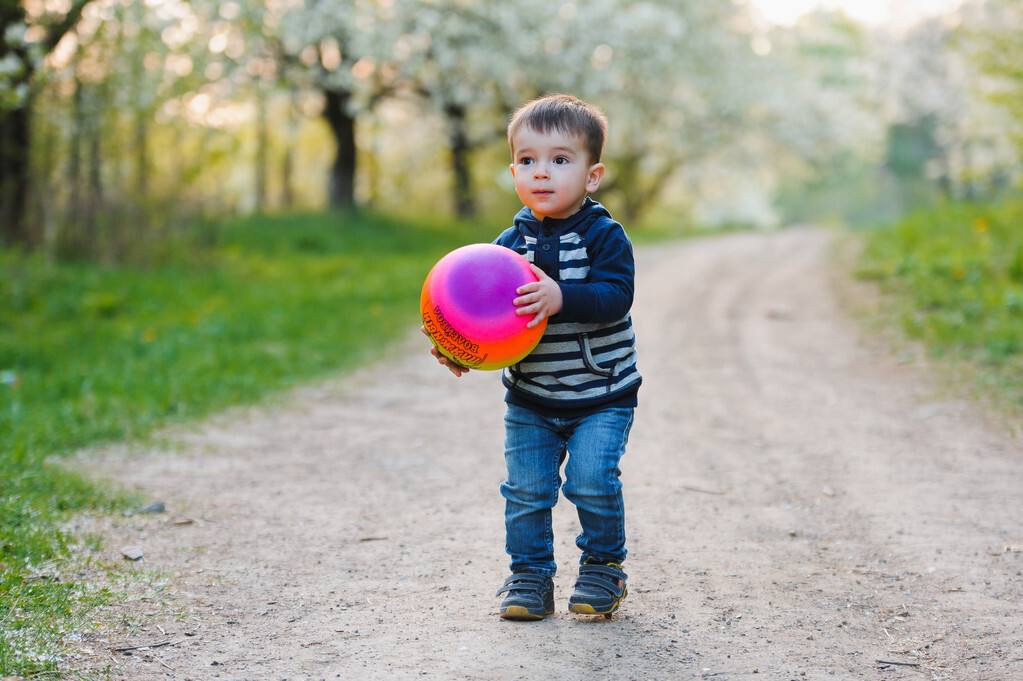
(521, 613)
(587, 609)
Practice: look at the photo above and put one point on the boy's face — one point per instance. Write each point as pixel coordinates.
(552, 171)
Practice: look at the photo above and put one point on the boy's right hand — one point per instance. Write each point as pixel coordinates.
(453, 366)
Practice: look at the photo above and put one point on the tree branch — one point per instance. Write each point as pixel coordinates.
(56, 31)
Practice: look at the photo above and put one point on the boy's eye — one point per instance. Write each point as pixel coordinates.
(525, 161)
(560, 161)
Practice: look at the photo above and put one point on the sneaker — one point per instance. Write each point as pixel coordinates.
(599, 589)
(530, 597)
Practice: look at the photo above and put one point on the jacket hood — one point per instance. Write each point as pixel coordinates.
(527, 223)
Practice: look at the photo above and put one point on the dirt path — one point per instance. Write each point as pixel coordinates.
(800, 507)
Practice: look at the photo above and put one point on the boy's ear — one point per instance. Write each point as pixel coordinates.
(511, 167)
(594, 178)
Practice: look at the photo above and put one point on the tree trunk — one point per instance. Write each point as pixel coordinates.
(461, 148)
(14, 171)
(288, 159)
(636, 191)
(96, 191)
(74, 177)
(14, 140)
(262, 151)
(141, 156)
(287, 171)
(342, 173)
(77, 236)
(15, 127)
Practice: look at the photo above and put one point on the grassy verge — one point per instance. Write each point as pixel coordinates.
(955, 274)
(92, 354)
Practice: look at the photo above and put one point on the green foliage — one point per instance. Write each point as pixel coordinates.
(854, 193)
(998, 51)
(92, 354)
(910, 146)
(959, 271)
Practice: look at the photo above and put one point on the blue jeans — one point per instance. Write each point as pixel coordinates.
(535, 447)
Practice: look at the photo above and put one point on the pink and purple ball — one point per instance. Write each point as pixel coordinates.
(468, 309)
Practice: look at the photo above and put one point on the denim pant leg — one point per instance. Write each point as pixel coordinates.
(534, 450)
(592, 483)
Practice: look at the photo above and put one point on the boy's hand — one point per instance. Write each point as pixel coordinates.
(453, 366)
(540, 298)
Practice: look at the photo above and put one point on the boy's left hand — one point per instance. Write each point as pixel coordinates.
(539, 298)
(453, 366)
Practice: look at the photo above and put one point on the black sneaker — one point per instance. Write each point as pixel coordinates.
(599, 589)
(530, 597)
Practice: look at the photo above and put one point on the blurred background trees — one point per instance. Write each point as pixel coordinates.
(124, 122)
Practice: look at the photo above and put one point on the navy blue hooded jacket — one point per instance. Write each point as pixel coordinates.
(587, 356)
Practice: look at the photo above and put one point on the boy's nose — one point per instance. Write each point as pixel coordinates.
(540, 170)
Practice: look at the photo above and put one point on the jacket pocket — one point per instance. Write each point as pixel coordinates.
(588, 359)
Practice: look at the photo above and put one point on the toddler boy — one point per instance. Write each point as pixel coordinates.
(571, 400)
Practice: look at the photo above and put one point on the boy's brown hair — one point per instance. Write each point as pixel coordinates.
(566, 114)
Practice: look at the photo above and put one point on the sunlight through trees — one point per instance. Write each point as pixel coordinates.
(122, 120)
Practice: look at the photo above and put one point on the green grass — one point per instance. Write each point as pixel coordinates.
(92, 354)
(956, 273)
